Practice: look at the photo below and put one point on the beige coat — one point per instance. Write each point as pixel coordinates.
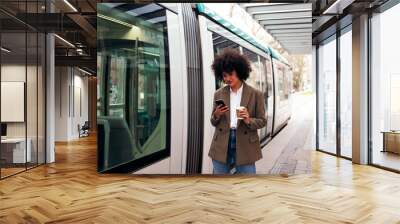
(248, 148)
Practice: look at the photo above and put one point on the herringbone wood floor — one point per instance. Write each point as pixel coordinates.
(70, 191)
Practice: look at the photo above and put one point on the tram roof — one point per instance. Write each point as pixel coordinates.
(209, 13)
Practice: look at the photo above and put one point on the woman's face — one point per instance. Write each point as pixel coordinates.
(231, 78)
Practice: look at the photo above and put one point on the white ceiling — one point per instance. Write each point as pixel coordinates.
(289, 24)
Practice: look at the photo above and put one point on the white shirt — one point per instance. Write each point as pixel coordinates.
(235, 99)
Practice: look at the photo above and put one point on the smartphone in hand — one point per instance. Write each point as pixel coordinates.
(220, 102)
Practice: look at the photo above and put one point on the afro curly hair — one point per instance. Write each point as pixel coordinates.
(229, 60)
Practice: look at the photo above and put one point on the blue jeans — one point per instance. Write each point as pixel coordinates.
(222, 168)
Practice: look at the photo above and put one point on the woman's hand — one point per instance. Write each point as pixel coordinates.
(245, 115)
(220, 110)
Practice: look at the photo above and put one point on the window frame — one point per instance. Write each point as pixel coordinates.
(333, 37)
(150, 159)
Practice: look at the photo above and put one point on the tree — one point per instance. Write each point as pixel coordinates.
(301, 70)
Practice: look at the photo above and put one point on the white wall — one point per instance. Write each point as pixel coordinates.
(16, 73)
(71, 87)
(33, 126)
(11, 73)
(61, 103)
(12, 100)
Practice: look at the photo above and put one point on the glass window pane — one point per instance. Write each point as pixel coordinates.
(220, 43)
(386, 89)
(133, 82)
(280, 75)
(23, 85)
(282, 87)
(117, 86)
(254, 79)
(14, 153)
(327, 97)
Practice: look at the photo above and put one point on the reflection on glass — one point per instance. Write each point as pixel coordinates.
(385, 89)
(149, 98)
(132, 87)
(327, 97)
(346, 94)
(117, 86)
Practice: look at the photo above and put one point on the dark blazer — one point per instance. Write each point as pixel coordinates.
(248, 148)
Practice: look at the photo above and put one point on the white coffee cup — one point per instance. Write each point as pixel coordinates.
(238, 110)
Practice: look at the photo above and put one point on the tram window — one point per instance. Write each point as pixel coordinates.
(116, 84)
(254, 76)
(280, 75)
(136, 52)
(263, 70)
(286, 86)
(219, 44)
(288, 82)
(268, 66)
(149, 97)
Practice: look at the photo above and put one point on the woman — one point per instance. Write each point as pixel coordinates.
(237, 116)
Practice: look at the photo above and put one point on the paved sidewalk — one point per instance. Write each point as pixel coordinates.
(290, 151)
